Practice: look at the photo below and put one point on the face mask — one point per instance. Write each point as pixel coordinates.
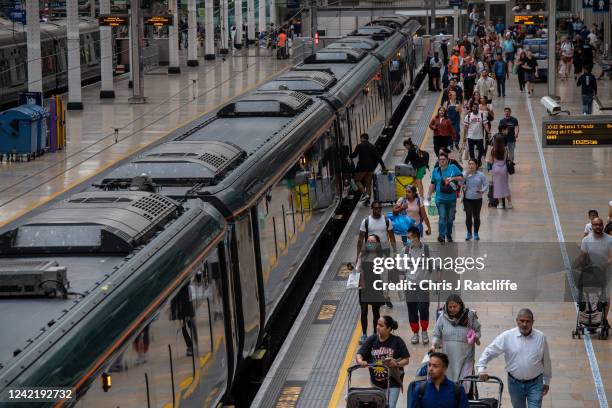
(408, 242)
(370, 246)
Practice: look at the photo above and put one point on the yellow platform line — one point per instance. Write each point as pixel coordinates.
(131, 152)
(352, 348)
(342, 375)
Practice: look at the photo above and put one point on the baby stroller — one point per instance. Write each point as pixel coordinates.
(476, 401)
(367, 397)
(590, 314)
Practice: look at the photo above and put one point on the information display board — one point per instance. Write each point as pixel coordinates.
(567, 131)
(159, 20)
(113, 20)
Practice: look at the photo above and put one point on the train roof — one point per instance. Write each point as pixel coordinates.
(308, 82)
(60, 267)
(11, 34)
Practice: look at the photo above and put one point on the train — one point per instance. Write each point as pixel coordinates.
(54, 57)
(158, 281)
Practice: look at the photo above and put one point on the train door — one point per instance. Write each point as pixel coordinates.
(387, 95)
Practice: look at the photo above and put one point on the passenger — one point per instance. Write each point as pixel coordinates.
(369, 158)
(497, 160)
(608, 227)
(476, 185)
(182, 309)
(438, 391)
(512, 125)
(443, 130)
(452, 86)
(500, 70)
(567, 51)
(469, 73)
(282, 45)
(486, 109)
(445, 181)
(454, 64)
(372, 249)
(475, 128)
(379, 225)
(451, 160)
(596, 248)
(390, 350)
(509, 47)
(435, 69)
(457, 332)
(412, 206)
(588, 90)
(588, 228)
(419, 160)
(417, 300)
(453, 110)
(486, 85)
(527, 361)
(530, 66)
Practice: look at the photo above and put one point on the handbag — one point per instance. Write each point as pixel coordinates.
(445, 188)
(510, 166)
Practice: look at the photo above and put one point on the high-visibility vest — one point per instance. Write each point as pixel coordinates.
(454, 68)
(282, 38)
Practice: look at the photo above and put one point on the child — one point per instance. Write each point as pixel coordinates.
(589, 228)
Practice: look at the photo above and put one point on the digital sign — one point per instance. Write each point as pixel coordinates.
(160, 20)
(113, 20)
(529, 19)
(577, 131)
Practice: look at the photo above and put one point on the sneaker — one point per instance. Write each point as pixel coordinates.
(415, 338)
(468, 237)
(441, 239)
(425, 337)
(476, 237)
(362, 339)
(500, 206)
(509, 206)
(449, 238)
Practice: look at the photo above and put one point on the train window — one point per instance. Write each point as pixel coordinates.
(5, 70)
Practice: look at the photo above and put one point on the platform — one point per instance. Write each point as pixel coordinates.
(552, 191)
(172, 101)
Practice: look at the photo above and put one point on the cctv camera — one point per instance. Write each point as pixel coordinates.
(551, 105)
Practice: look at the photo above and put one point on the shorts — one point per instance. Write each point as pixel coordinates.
(529, 77)
(509, 57)
(420, 173)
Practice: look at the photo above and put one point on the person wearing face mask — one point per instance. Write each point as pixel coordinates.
(457, 333)
(417, 300)
(527, 361)
(367, 297)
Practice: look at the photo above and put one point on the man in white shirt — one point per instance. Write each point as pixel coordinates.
(475, 127)
(527, 361)
(486, 85)
(379, 225)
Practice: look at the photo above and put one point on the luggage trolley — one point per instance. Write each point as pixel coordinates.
(485, 402)
(367, 397)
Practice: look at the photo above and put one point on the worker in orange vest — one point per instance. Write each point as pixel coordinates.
(454, 65)
(282, 45)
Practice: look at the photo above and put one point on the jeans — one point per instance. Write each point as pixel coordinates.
(446, 211)
(393, 396)
(472, 209)
(501, 86)
(479, 144)
(587, 104)
(526, 395)
(511, 146)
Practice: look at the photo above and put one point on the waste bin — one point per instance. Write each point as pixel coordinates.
(42, 115)
(19, 131)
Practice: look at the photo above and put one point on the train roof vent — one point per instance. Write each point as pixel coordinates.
(308, 82)
(361, 43)
(20, 278)
(267, 103)
(100, 221)
(324, 78)
(345, 56)
(377, 33)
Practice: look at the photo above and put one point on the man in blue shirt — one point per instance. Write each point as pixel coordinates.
(437, 391)
(501, 72)
(445, 180)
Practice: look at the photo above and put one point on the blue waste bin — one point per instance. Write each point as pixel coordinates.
(42, 115)
(19, 131)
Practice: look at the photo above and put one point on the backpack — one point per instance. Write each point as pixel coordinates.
(367, 221)
(421, 392)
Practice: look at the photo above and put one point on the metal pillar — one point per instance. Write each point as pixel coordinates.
(433, 17)
(273, 12)
(137, 62)
(106, 55)
(209, 28)
(262, 16)
(455, 24)
(192, 38)
(33, 39)
(92, 8)
(313, 18)
(250, 21)
(174, 66)
(552, 42)
(223, 13)
(74, 56)
(238, 22)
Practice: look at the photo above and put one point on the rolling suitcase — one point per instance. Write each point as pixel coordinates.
(493, 202)
(485, 402)
(404, 176)
(384, 187)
